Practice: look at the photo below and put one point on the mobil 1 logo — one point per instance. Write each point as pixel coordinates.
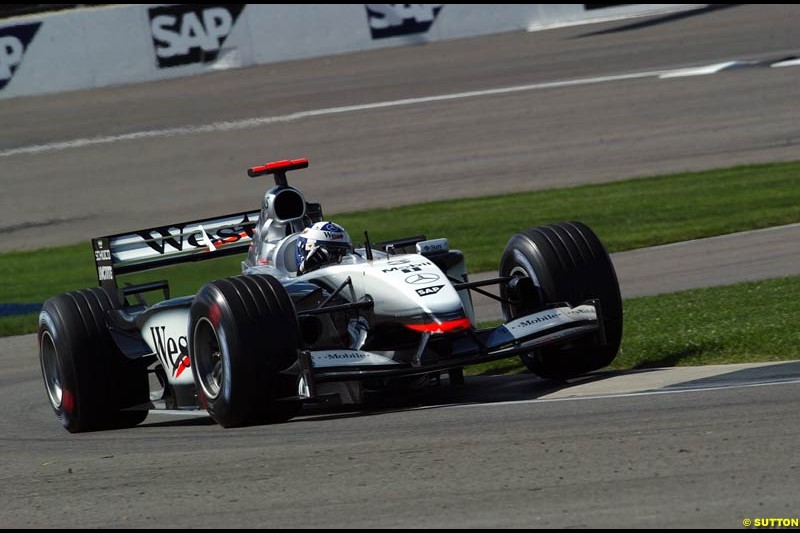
(191, 33)
(14, 40)
(391, 20)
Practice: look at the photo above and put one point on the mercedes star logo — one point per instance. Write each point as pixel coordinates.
(419, 279)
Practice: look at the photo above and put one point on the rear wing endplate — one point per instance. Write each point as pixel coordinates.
(196, 240)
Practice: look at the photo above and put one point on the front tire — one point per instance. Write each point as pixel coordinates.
(88, 381)
(566, 262)
(243, 334)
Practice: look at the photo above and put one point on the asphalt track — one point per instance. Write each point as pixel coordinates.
(545, 137)
(491, 454)
(722, 260)
(687, 447)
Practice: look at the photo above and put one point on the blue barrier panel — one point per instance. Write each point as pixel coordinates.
(19, 309)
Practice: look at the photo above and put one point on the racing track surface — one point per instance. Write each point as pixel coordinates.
(536, 138)
(722, 260)
(703, 458)
(445, 457)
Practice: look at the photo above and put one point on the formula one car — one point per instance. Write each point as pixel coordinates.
(253, 348)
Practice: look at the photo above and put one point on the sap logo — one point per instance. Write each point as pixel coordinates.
(14, 40)
(427, 291)
(190, 33)
(391, 20)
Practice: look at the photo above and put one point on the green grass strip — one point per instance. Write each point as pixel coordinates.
(742, 323)
(626, 215)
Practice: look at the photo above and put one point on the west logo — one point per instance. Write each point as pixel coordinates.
(391, 20)
(174, 354)
(179, 239)
(191, 33)
(14, 40)
(167, 238)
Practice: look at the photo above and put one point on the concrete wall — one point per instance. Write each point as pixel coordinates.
(114, 45)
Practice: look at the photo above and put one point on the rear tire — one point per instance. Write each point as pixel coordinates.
(243, 333)
(566, 263)
(87, 379)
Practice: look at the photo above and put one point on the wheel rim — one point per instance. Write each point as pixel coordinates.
(51, 371)
(208, 358)
(517, 271)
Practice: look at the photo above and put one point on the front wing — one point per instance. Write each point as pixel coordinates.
(556, 325)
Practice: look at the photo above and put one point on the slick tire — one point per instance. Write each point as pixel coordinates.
(87, 379)
(566, 263)
(243, 334)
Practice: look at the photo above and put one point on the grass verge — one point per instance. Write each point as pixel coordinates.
(626, 215)
(742, 323)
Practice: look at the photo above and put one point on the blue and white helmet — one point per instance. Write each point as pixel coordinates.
(323, 243)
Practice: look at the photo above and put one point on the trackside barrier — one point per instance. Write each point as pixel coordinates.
(114, 45)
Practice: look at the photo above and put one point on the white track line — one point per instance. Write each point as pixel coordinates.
(255, 122)
(706, 70)
(658, 392)
(787, 63)
(735, 235)
(612, 18)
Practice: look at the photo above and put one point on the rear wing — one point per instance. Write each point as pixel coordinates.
(196, 240)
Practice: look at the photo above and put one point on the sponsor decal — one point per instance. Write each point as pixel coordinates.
(191, 33)
(537, 320)
(174, 354)
(422, 278)
(105, 273)
(163, 238)
(427, 291)
(331, 236)
(102, 260)
(14, 41)
(562, 315)
(433, 247)
(407, 268)
(330, 226)
(391, 20)
(343, 355)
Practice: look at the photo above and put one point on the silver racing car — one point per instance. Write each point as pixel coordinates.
(313, 317)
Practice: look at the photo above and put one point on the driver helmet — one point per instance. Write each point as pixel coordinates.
(322, 244)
